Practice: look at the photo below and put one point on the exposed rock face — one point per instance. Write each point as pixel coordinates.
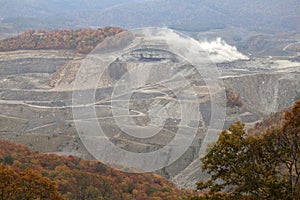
(30, 69)
(41, 115)
(267, 92)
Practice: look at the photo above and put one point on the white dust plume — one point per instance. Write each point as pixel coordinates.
(219, 51)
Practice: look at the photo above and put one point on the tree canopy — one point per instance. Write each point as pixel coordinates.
(82, 41)
(49, 176)
(264, 166)
(26, 185)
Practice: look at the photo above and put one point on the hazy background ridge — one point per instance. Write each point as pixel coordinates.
(267, 15)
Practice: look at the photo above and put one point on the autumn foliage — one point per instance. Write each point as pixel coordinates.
(275, 120)
(48, 176)
(82, 41)
(233, 99)
(25, 185)
(256, 166)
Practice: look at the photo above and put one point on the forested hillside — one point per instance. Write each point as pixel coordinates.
(263, 163)
(28, 174)
(82, 41)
